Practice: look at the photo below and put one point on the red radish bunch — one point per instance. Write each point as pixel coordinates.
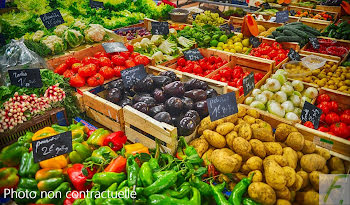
(93, 71)
(20, 108)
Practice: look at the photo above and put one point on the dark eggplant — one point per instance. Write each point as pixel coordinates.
(211, 93)
(196, 95)
(156, 109)
(138, 96)
(195, 84)
(160, 81)
(159, 95)
(124, 102)
(150, 101)
(145, 85)
(142, 107)
(174, 105)
(116, 84)
(163, 117)
(202, 108)
(194, 115)
(114, 95)
(129, 92)
(186, 126)
(188, 103)
(176, 119)
(169, 74)
(174, 89)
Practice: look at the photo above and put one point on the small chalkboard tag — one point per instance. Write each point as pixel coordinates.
(194, 16)
(266, 5)
(193, 55)
(222, 106)
(226, 28)
(53, 146)
(96, 4)
(133, 75)
(114, 47)
(27, 78)
(160, 28)
(254, 41)
(248, 83)
(52, 19)
(282, 16)
(314, 43)
(293, 55)
(311, 113)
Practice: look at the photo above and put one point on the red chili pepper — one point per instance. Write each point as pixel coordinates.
(72, 196)
(309, 124)
(117, 165)
(78, 178)
(323, 129)
(115, 140)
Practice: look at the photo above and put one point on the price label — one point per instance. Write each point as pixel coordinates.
(314, 43)
(133, 75)
(96, 4)
(248, 83)
(222, 106)
(226, 28)
(293, 55)
(254, 41)
(266, 5)
(27, 78)
(328, 144)
(311, 113)
(114, 47)
(160, 28)
(53, 146)
(194, 16)
(282, 16)
(193, 55)
(52, 19)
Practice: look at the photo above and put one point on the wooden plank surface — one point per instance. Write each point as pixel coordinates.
(104, 120)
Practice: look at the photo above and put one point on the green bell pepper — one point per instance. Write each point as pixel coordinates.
(102, 154)
(27, 185)
(12, 154)
(26, 139)
(80, 152)
(203, 187)
(97, 137)
(57, 196)
(27, 166)
(106, 179)
(59, 128)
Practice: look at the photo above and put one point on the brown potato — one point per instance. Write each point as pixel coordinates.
(245, 169)
(283, 145)
(309, 147)
(291, 157)
(305, 177)
(223, 161)
(201, 145)
(206, 123)
(283, 202)
(290, 175)
(283, 194)
(274, 174)
(227, 151)
(263, 133)
(246, 156)
(300, 155)
(249, 119)
(258, 176)
(239, 160)
(240, 176)
(295, 140)
(225, 128)
(282, 131)
(325, 170)
(241, 111)
(273, 148)
(314, 177)
(206, 156)
(312, 162)
(214, 139)
(229, 138)
(241, 146)
(262, 193)
(323, 152)
(258, 148)
(245, 131)
(311, 198)
(254, 113)
(254, 163)
(297, 184)
(280, 159)
(232, 118)
(336, 164)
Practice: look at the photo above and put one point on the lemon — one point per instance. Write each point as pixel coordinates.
(240, 35)
(238, 44)
(231, 46)
(220, 44)
(238, 49)
(238, 40)
(225, 46)
(220, 48)
(245, 49)
(245, 42)
(213, 47)
(228, 50)
(230, 41)
(232, 50)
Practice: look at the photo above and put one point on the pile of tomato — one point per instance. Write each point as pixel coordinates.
(202, 67)
(93, 71)
(272, 52)
(333, 120)
(234, 76)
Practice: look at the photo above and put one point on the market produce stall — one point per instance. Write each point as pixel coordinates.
(135, 102)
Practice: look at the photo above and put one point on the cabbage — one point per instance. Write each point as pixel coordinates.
(73, 37)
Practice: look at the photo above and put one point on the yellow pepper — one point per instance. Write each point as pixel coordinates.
(58, 162)
(135, 148)
(43, 133)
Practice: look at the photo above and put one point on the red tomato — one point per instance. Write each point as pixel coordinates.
(129, 63)
(188, 68)
(323, 129)
(197, 69)
(236, 73)
(76, 66)
(265, 56)
(258, 76)
(346, 112)
(266, 50)
(107, 72)
(91, 60)
(223, 79)
(241, 91)
(324, 107)
(88, 70)
(239, 68)
(100, 54)
(239, 82)
(323, 98)
(323, 117)
(129, 47)
(276, 45)
(181, 62)
(233, 84)
(133, 55)
(332, 118)
(216, 77)
(345, 118)
(118, 60)
(104, 61)
(218, 60)
(309, 124)
(281, 56)
(95, 80)
(141, 60)
(68, 73)
(212, 59)
(333, 105)
(117, 70)
(71, 60)
(340, 129)
(77, 81)
(61, 68)
(225, 73)
(273, 53)
(125, 54)
(207, 72)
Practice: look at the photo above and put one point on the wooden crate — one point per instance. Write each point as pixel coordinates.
(336, 9)
(315, 23)
(142, 128)
(237, 21)
(124, 38)
(296, 8)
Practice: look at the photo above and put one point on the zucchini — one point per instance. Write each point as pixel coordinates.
(288, 33)
(280, 29)
(276, 33)
(312, 30)
(310, 34)
(294, 23)
(270, 36)
(289, 39)
(300, 33)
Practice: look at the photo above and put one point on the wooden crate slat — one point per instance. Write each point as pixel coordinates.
(103, 120)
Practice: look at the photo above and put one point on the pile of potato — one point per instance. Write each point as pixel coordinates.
(286, 166)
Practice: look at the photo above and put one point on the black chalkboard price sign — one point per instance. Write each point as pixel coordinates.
(282, 16)
(96, 4)
(226, 28)
(193, 55)
(293, 55)
(160, 28)
(311, 113)
(222, 106)
(27, 78)
(248, 83)
(314, 43)
(114, 47)
(52, 19)
(133, 75)
(254, 41)
(53, 146)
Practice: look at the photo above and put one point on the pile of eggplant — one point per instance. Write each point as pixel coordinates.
(166, 99)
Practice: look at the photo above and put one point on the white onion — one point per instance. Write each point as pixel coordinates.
(273, 85)
(311, 92)
(276, 109)
(281, 78)
(258, 104)
(298, 85)
(280, 96)
(268, 94)
(261, 98)
(256, 92)
(288, 106)
(287, 89)
(303, 99)
(249, 100)
(292, 116)
(295, 100)
(297, 111)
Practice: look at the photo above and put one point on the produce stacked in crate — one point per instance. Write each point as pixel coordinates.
(329, 47)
